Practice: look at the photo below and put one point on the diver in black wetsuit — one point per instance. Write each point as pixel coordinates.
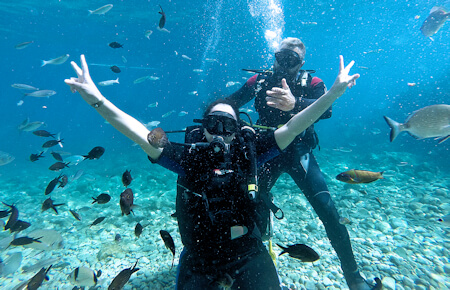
(217, 189)
(278, 96)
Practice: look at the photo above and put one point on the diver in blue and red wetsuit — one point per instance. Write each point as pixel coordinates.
(280, 94)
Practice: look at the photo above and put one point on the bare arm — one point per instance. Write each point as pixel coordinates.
(124, 123)
(301, 121)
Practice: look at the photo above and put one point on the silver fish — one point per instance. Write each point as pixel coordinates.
(59, 60)
(109, 82)
(148, 33)
(102, 10)
(24, 87)
(5, 158)
(28, 126)
(168, 114)
(141, 79)
(23, 45)
(435, 20)
(11, 264)
(41, 93)
(429, 122)
(43, 263)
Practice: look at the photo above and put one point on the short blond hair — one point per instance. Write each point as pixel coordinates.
(292, 43)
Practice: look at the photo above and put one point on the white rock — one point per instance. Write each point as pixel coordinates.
(388, 283)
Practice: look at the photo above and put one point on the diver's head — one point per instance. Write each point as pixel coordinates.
(289, 58)
(220, 120)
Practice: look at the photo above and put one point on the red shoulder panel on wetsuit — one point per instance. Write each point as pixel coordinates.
(315, 81)
(251, 81)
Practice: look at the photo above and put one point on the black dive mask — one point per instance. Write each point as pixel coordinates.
(287, 59)
(220, 123)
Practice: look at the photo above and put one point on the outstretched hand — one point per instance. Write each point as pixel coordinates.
(281, 98)
(83, 83)
(343, 79)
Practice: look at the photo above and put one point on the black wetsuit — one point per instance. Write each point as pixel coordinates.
(298, 160)
(216, 218)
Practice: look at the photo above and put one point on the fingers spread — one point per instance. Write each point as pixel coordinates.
(76, 68)
(341, 63)
(349, 66)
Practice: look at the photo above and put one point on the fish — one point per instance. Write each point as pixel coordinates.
(4, 213)
(373, 51)
(28, 126)
(186, 57)
(59, 60)
(411, 84)
(41, 94)
(148, 33)
(445, 220)
(309, 23)
(138, 230)
(75, 159)
(115, 44)
(301, 252)
(59, 166)
(435, 20)
(115, 69)
(168, 114)
(41, 263)
(124, 60)
(19, 226)
(37, 280)
(182, 113)
(126, 178)
(24, 87)
(50, 239)
(153, 78)
(11, 264)
(158, 138)
(429, 122)
(13, 218)
(122, 278)
(152, 124)
(75, 215)
(211, 60)
(22, 241)
(51, 185)
(102, 10)
(126, 201)
(48, 203)
(141, 79)
(43, 133)
(108, 82)
(344, 221)
(57, 156)
(162, 20)
(197, 70)
(193, 93)
(117, 238)
(102, 198)
(153, 105)
(64, 181)
(84, 277)
(23, 45)
(95, 153)
(355, 176)
(97, 221)
(168, 242)
(5, 158)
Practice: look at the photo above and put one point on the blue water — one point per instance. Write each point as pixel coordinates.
(233, 34)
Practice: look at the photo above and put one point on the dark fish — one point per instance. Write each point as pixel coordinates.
(35, 157)
(158, 138)
(378, 284)
(115, 45)
(126, 201)
(51, 143)
(84, 277)
(22, 241)
(162, 20)
(4, 213)
(57, 156)
(58, 166)
(97, 221)
(354, 176)
(43, 133)
(117, 238)
(64, 181)
(75, 215)
(126, 178)
(115, 69)
(301, 252)
(122, 278)
(168, 242)
(102, 198)
(138, 229)
(13, 217)
(19, 226)
(435, 20)
(48, 203)
(51, 185)
(95, 153)
(38, 279)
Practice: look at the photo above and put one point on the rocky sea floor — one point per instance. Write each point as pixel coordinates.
(394, 227)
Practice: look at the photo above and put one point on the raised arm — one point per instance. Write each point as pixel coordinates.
(302, 120)
(124, 123)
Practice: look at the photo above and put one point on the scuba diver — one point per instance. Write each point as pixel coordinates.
(217, 190)
(279, 94)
